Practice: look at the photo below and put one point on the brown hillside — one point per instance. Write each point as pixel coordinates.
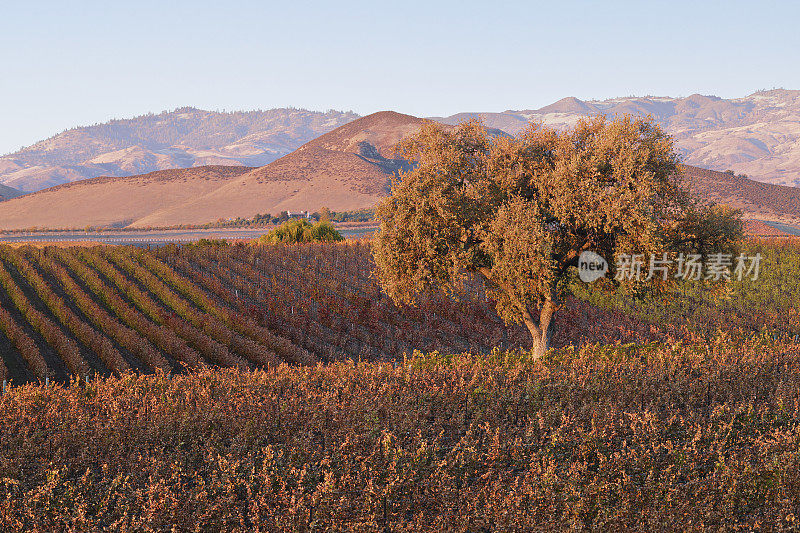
(319, 174)
(382, 130)
(113, 202)
(213, 172)
(758, 200)
(349, 168)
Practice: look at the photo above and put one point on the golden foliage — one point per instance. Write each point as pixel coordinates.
(519, 211)
(607, 438)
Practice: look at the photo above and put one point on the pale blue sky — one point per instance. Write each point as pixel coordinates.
(70, 63)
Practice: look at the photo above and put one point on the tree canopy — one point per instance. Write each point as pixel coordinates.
(301, 230)
(519, 211)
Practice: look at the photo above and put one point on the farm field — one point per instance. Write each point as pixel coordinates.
(262, 388)
(661, 437)
(101, 310)
(81, 311)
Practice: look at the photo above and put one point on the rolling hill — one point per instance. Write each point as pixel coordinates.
(111, 201)
(758, 135)
(183, 138)
(348, 168)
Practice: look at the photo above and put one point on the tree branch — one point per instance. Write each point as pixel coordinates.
(531, 323)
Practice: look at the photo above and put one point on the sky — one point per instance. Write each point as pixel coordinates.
(65, 64)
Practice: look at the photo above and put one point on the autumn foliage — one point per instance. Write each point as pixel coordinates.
(618, 438)
(518, 212)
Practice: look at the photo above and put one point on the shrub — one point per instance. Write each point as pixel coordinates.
(300, 230)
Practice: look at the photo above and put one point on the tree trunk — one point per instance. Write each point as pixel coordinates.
(541, 330)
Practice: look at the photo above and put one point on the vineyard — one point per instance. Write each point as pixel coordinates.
(108, 310)
(676, 411)
(637, 438)
(78, 311)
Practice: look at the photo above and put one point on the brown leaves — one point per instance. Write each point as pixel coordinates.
(520, 211)
(598, 438)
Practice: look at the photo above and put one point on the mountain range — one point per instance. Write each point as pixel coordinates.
(758, 135)
(348, 168)
(182, 138)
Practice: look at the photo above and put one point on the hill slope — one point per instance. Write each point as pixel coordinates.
(110, 201)
(7, 193)
(182, 138)
(348, 168)
(758, 135)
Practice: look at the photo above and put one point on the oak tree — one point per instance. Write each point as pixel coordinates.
(519, 211)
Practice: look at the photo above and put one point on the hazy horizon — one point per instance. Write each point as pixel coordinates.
(325, 110)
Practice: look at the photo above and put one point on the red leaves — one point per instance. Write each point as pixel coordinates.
(65, 347)
(594, 439)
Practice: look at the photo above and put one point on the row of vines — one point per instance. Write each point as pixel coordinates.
(79, 311)
(76, 312)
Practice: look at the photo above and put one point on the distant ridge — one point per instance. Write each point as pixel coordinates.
(758, 135)
(757, 200)
(183, 138)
